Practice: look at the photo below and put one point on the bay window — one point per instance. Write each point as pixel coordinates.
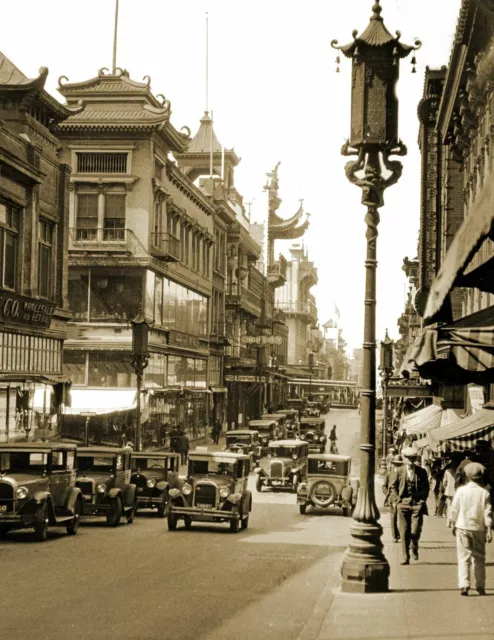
(9, 239)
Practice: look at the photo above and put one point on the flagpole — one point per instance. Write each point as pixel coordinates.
(114, 65)
(211, 148)
(207, 62)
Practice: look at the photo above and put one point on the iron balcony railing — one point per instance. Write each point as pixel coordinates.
(165, 246)
(95, 240)
(243, 297)
(277, 271)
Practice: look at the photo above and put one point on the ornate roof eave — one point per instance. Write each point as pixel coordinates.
(291, 234)
(376, 35)
(275, 221)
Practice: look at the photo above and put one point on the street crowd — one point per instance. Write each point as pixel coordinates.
(462, 484)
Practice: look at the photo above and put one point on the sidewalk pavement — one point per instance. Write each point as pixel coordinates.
(424, 600)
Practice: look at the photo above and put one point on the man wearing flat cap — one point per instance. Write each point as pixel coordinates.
(411, 487)
(471, 515)
(391, 496)
(484, 455)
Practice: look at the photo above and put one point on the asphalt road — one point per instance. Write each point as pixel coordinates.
(143, 582)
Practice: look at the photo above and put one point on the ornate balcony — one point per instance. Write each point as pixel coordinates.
(306, 309)
(165, 247)
(277, 272)
(243, 298)
(105, 241)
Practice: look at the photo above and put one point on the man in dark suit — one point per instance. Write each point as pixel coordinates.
(411, 486)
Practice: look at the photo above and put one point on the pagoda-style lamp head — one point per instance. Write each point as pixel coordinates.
(140, 333)
(375, 58)
(386, 360)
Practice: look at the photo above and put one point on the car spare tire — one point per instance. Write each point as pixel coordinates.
(323, 493)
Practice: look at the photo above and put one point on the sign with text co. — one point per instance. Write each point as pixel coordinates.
(23, 310)
(261, 340)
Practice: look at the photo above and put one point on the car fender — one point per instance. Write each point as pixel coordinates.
(130, 495)
(44, 497)
(75, 495)
(259, 471)
(114, 493)
(297, 470)
(162, 486)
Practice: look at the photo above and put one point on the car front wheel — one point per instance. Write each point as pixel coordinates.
(73, 526)
(259, 484)
(302, 509)
(245, 522)
(114, 514)
(4, 529)
(295, 483)
(41, 526)
(162, 510)
(172, 522)
(188, 522)
(234, 526)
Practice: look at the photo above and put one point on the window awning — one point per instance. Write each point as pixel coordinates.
(476, 227)
(460, 352)
(464, 433)
(101, 401)
(428, 419)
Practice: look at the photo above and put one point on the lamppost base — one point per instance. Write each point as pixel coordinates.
(365, 568)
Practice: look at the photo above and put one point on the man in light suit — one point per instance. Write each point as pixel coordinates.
(411, 486)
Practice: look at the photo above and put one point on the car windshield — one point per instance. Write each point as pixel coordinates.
(27, 462)
(244, 439)
(98, 463)
(283, 452)
(211, 467)
(149, 463)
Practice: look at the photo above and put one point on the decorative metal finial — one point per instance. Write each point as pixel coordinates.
(376, 11)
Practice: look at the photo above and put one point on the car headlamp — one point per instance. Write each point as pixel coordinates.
(22, 492)
(264, 440)
(186, 490)
(316, 437)
(302, 436)
(302, 488)
(101, 488)
(294, 456)
(173, 493)
(151, 483)
(224, 492)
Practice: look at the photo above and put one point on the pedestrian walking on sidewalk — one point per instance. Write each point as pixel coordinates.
(216, 432)
(392, 497)
(436, 477)
(471, 514)
(411, 486)
(183, 447)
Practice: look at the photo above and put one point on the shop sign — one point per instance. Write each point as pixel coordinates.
(476, 396)
(245, 379)
(23, 310)
(184, 340)
(261, 340)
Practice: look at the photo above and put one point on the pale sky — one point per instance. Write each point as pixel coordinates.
(275, 96)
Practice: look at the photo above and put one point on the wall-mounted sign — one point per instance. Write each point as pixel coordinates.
(261, 340)
(184, 340)
(22, 310)
(245, 379)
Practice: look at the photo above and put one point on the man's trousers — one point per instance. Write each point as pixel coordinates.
(410, 520)
(470, 547)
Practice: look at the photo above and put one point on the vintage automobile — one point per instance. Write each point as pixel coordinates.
(285, 466)
(268, 431)
(103, 476)
(328, 484)
(215, 490)
(312, 410)
(154, 473)
(244, 441)
(296, 403)
(37, 488)
(312, 431)
(322, 401)
(291, 422)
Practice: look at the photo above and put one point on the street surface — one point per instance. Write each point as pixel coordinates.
(142, 582)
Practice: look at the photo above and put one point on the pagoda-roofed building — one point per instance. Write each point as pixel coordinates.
(140, 241)
(281, 229)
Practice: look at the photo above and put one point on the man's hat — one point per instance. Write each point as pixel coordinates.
(409, 452)
(474, 471)
(392, 449)
(397, 460)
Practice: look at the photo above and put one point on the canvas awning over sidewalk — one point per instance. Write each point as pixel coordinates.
(428, 419)
(464, 433)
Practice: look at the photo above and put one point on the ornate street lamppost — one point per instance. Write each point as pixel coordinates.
(386, 369)
(373, 140)
(139, 361)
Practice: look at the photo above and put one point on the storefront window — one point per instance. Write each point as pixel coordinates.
(158, 302)
(110, 369)
(200, 373)
(155, 373)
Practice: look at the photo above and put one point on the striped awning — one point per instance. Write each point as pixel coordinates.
(464, 433)
(421, 421)
(453, 353)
